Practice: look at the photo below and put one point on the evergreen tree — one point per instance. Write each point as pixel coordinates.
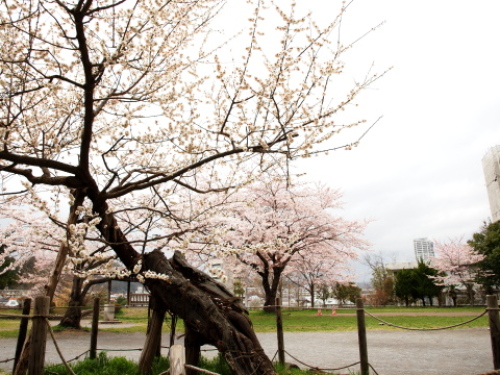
(487, 243)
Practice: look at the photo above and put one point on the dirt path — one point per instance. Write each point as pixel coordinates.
(451, 352)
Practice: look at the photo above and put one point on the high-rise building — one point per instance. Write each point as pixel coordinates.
(424, 249)
(491, 170)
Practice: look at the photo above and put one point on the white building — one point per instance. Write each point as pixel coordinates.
(424, 249)
(491, 170)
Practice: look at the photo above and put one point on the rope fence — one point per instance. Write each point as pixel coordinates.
(492, 310)
(426, 329)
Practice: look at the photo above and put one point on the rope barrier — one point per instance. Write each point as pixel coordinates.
(426, 329)
(118, 350)
(20, 316)
(58, 349)
(200, 370)
(321, 369)
(373, 369)
(326, 369)
(78, 356)
(16, 316)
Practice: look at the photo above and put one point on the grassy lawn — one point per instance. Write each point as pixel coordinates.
(303, 320)
(345, 320)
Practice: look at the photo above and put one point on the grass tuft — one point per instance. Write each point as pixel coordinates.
(104, 365)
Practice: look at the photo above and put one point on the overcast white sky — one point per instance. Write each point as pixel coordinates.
(418, 172)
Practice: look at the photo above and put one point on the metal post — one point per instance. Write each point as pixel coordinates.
(363, 346)
(494, 329)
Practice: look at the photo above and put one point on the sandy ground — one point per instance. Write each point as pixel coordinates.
(395, 352)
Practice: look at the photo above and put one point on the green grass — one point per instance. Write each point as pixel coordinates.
(345, 320)
(104, 365)
(300, 320)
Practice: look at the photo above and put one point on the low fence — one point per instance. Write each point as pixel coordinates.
(139, 299)
(494, 328)
(41, 328)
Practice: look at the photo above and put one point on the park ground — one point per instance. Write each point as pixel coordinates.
(465, 351)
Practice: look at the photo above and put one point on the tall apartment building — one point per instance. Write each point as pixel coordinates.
(491, 170)
(424, 249)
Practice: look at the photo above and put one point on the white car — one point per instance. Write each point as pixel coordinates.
(12, 303)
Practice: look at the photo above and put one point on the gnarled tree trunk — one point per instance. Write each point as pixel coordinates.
(212, 313)
(206, 306)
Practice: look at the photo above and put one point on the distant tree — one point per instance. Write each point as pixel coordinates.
(324, 292)
(382, 280)
(315, 273)
(275, 228)
(346, 292)
(457, 264)
(424, 282)
(486, 243)
(9, 274)
(404, 283)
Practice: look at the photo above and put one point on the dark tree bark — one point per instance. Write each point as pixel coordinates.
(152, 346)
(79, 290)
(73, 314)
(192, 342)
(271, 277)
(209, 309)
(312, 293)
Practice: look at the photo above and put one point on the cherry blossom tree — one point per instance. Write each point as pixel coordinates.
(107, 101)
(316, 270)
(457, 260)
(37, 234)
(26, 241)
(278, 228)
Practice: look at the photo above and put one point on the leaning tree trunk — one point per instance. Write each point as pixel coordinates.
(210, 311)
(213, 314)
(152, 346)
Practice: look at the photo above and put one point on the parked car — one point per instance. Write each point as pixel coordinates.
(12, 303)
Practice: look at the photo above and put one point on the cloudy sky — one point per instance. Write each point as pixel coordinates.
(418, 172)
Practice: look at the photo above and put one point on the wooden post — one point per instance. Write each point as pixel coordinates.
(109, 292)
(363, 346)
(23, 328)
(39, 336)
(279, 328)
(95, 328)
(128, 291)
(494, 330)
(177, 360)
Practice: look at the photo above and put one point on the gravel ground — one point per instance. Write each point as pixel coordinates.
(395, 352)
